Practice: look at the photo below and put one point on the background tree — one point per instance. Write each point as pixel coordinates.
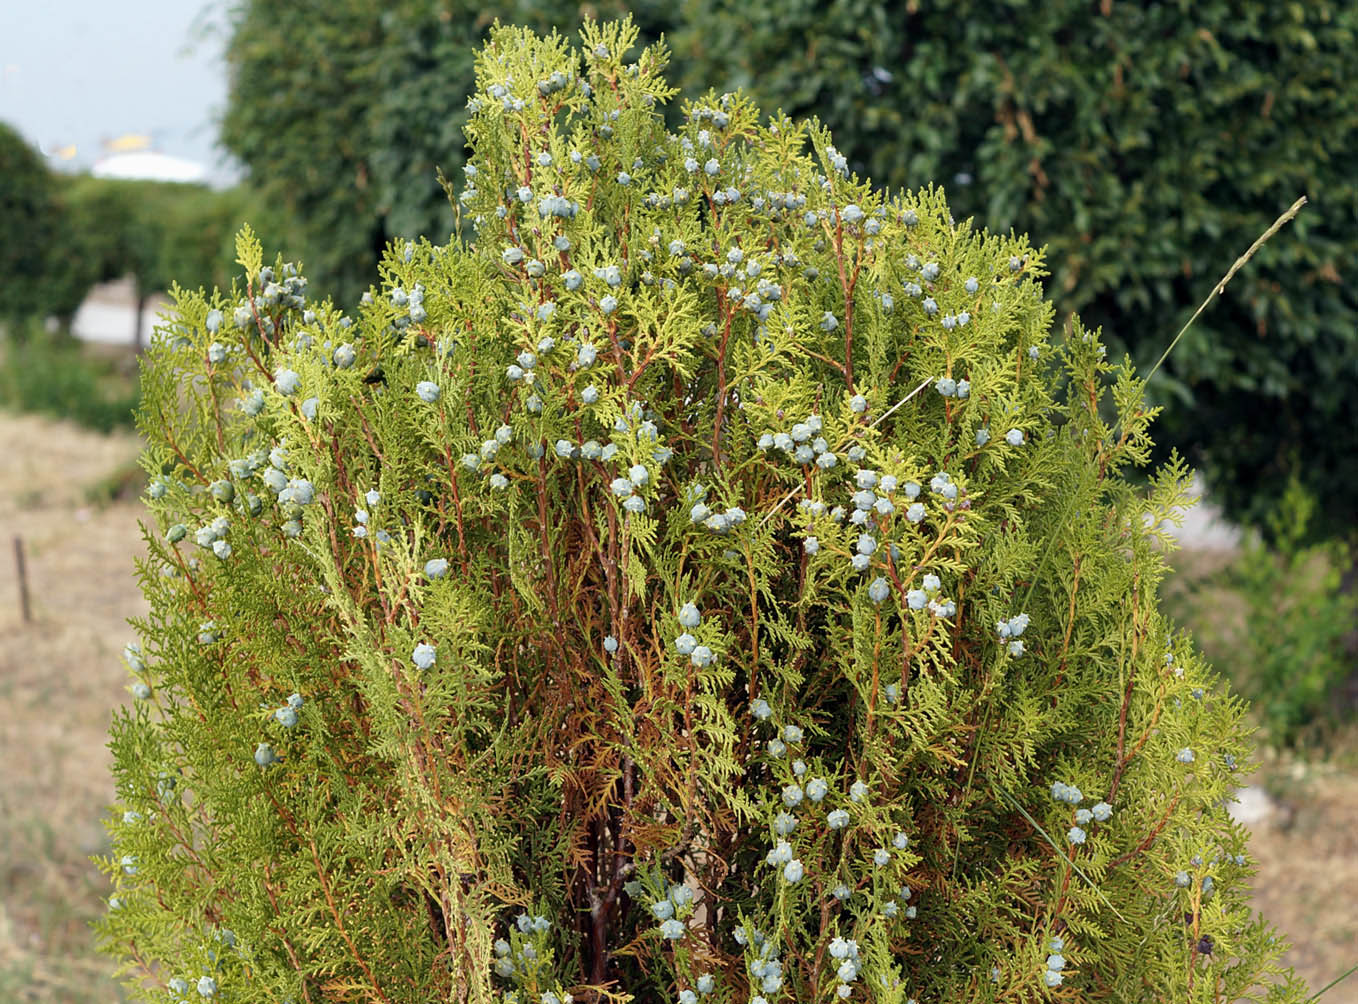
(1148, 144)
(62, 234)
(154, 232)
(31, 226)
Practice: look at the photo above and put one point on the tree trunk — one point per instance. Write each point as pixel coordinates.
(136, 321)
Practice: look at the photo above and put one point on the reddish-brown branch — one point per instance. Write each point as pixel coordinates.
(721, 378)
(291, 822)
(282, 933)
(1123, 758)
(1149, 839)
(174, 446)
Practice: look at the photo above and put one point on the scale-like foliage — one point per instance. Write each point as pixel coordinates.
(710, 582)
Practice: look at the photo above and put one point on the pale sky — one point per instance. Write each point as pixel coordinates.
(82, 71)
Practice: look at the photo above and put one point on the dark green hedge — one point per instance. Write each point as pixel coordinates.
(62, 234)
(30, 224)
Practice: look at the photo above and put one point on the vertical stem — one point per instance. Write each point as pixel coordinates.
(599, 916)
(138, 312)
(550, 566)
(754, 619)
(1122, 759)
(721, 382)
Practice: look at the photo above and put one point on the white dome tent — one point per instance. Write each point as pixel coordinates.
(146, 165)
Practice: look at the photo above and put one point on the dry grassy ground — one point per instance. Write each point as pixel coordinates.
(61, 675)
(1308, 871)
(59, 678)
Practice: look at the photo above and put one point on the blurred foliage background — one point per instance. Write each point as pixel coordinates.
(1276, 621)
(1147, 143)
(30, 229)
(61, 234)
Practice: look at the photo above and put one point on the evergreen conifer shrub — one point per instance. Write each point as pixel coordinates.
(708, 584)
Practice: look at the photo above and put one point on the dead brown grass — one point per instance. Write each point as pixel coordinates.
(1307, 883)
(61, 676)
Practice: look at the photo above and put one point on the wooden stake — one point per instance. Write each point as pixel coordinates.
(23, 579)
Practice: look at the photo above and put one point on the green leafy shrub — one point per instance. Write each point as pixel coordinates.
(62, 378)
(693, 586)
(1276, 622)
